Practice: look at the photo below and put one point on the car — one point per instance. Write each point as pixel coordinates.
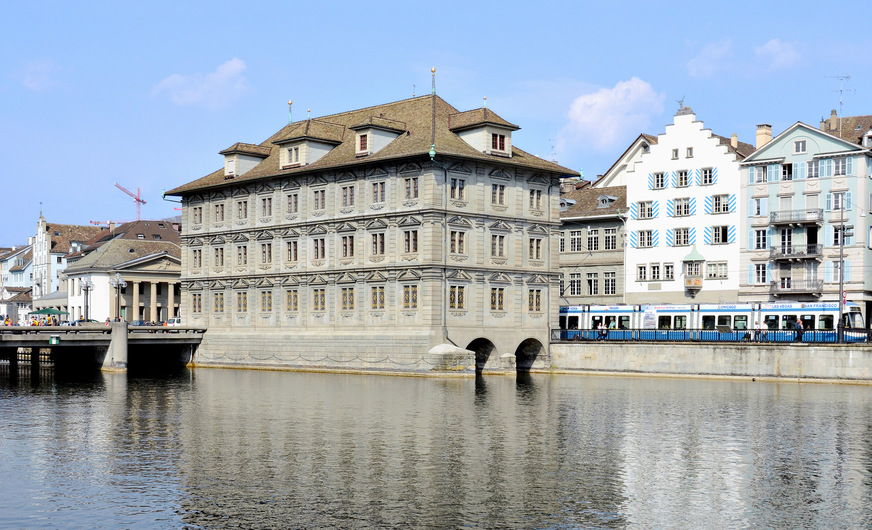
(175, 321)
(82, 322)
(140, 323)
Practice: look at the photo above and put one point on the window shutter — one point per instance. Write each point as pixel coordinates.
(708, 204)
(691, 236)
(770, 235)
(654, 236)
(750, 207)
(672, 179)
(697, 177)
(634, 211)
(826, 167)
(670, 208)
(849, 203)
(849, 165)
(655, 208)
(732, 200)
(828, 271)
(714, 175)
(847, 271)
(772, 172)
(751, 172)
(634, 239)
(768, 272)
(799, 170)
(670, 238)
(763, 202)
(830, 236)
(707, 235)
(693, 206)
(731, 234)
(650, 181)
(751, 239)
(750, 274)
(829, 201)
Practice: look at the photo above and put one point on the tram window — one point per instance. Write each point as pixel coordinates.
(788, 321)
(771, 321)
(563, 323)
(624, 322)
(740, 322)
(853, 320)
(807, 321)
(723, 320)
(609, 321)
(825, 322)
(595, 322)
(708, 322)
(572, 323)
(680, 322)
(663, 321)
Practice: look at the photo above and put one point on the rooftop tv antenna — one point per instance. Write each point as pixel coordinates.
(842, 79)
(136, 198)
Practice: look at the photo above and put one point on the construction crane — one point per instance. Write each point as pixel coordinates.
(136, 198)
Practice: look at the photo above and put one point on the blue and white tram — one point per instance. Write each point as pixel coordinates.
(776, 321)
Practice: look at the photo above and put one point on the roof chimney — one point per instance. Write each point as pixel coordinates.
(764, 134)
(111, 227)
(734, 141)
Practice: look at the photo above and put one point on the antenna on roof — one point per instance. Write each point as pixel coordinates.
(290, 115)
(842, 79)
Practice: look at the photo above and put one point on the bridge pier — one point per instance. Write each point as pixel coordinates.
(116, 355)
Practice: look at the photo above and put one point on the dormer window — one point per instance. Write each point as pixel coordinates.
(294, 155)
(361, 143)
(375, 133)
(484, 131)
(498, 142)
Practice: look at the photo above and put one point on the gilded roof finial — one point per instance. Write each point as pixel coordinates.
(290, 116)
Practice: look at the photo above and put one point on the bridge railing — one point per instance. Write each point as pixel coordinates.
(709, 335)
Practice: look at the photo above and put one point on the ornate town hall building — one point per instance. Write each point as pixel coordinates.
(369, 238)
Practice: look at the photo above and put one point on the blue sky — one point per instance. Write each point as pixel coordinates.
(146, 94)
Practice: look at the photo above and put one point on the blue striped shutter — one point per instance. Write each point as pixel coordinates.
(691, 236)
(697, 177)
(670, 182)
(670, 208)
(731, 234)
(714, 175)
(692, 205)
(634, 211)
(650, 181)
(634, 239)
(654, 237)
(655, 208)
(732, 201)
(847, 271)
(708, 204)
(828, 271)
(670, 238)
(707, 235)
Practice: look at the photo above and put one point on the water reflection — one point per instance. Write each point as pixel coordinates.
(225, 448)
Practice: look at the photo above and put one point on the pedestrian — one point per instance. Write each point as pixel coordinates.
(603, 332)
(757, 331)
(799, 330)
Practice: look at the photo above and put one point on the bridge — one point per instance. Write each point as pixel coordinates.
(107, 347)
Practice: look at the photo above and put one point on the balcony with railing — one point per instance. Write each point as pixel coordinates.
(797, 217)
(790, 286)
(796, 252)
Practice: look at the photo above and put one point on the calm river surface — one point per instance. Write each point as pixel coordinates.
(250, 449)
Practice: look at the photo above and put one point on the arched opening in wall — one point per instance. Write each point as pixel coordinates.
(527, 353)
(483, 349)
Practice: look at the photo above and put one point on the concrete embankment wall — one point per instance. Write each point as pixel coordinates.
(835, 362)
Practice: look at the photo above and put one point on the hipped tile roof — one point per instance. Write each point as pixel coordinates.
(587, 199)
(119, 251)
(62, 236)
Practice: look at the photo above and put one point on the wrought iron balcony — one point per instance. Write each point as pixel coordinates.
(799, 217)
(791, 286)
(796, 252)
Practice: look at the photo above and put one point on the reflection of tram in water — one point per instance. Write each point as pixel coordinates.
(712, 321)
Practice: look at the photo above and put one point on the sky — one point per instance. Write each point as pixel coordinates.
(145, 94)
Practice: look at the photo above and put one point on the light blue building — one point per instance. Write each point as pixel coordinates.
(798, 190)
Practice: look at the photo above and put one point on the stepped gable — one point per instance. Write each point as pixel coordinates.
(416, 115)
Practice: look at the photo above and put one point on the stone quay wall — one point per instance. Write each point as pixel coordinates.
(838, 362)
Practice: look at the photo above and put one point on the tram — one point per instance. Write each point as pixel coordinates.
(726, 322)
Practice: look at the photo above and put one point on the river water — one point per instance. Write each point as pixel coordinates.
(218, 448)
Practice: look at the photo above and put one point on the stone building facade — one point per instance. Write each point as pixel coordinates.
(375, 239)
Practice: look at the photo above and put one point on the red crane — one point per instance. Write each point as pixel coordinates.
(139, 201)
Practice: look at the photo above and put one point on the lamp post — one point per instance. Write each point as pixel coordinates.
(87, 287)
(118, 283)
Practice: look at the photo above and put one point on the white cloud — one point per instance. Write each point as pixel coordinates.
(777, 54)
(609, 116)
(39, 75)
(710, 59)
(213, 91)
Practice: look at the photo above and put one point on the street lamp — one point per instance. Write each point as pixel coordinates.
(87, 287)
(118, 283)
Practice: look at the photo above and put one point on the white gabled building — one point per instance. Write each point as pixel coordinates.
(682, 196)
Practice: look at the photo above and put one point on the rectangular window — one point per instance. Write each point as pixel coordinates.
(716, 270)
(347, 294)
(593, 239)
(592, 284)
(610, 240)
(682, 207)
(347, 196)
(575, 284)
(682, 237)
(457, 242)
(266, 253)
(609, 283)
(498, 194)
(760, 273)
(241, 302)
(196, 303)
(646, 238)
(498, 142)
(293, 203)
(646, 209)
(378, 244)
(668, 271)
(761, 241)
(319, 299)
(292, 299)
(319, 248)
(242, 255)
(292, 251)
(720, 235)
(498, 246)
(218, 303)
(219, 257)
(266, 207)
(266, 301)
(410, 297)
(786, 171)
(410, 241)
(689, 152)
(675, 154)
(347, 246)
(536, 199)
(455, 297)
(655, 271)
(196, 258)
(242, 209)
(708, 176)
(362, 143)
(799, 146)
(682, 179)
(840, 166)
(758, 207)
(535, 248)
(534, 302)
(642, 273)
(837, 236)
(378, 297)
(720, 204)
(659, 181)
(575, 240)
(691, 268)
(319, 200)
(219, 213)
(812, 169)
(197, 217)
(497, 298)
(411, 188)
(458, 190)
(378, 192)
